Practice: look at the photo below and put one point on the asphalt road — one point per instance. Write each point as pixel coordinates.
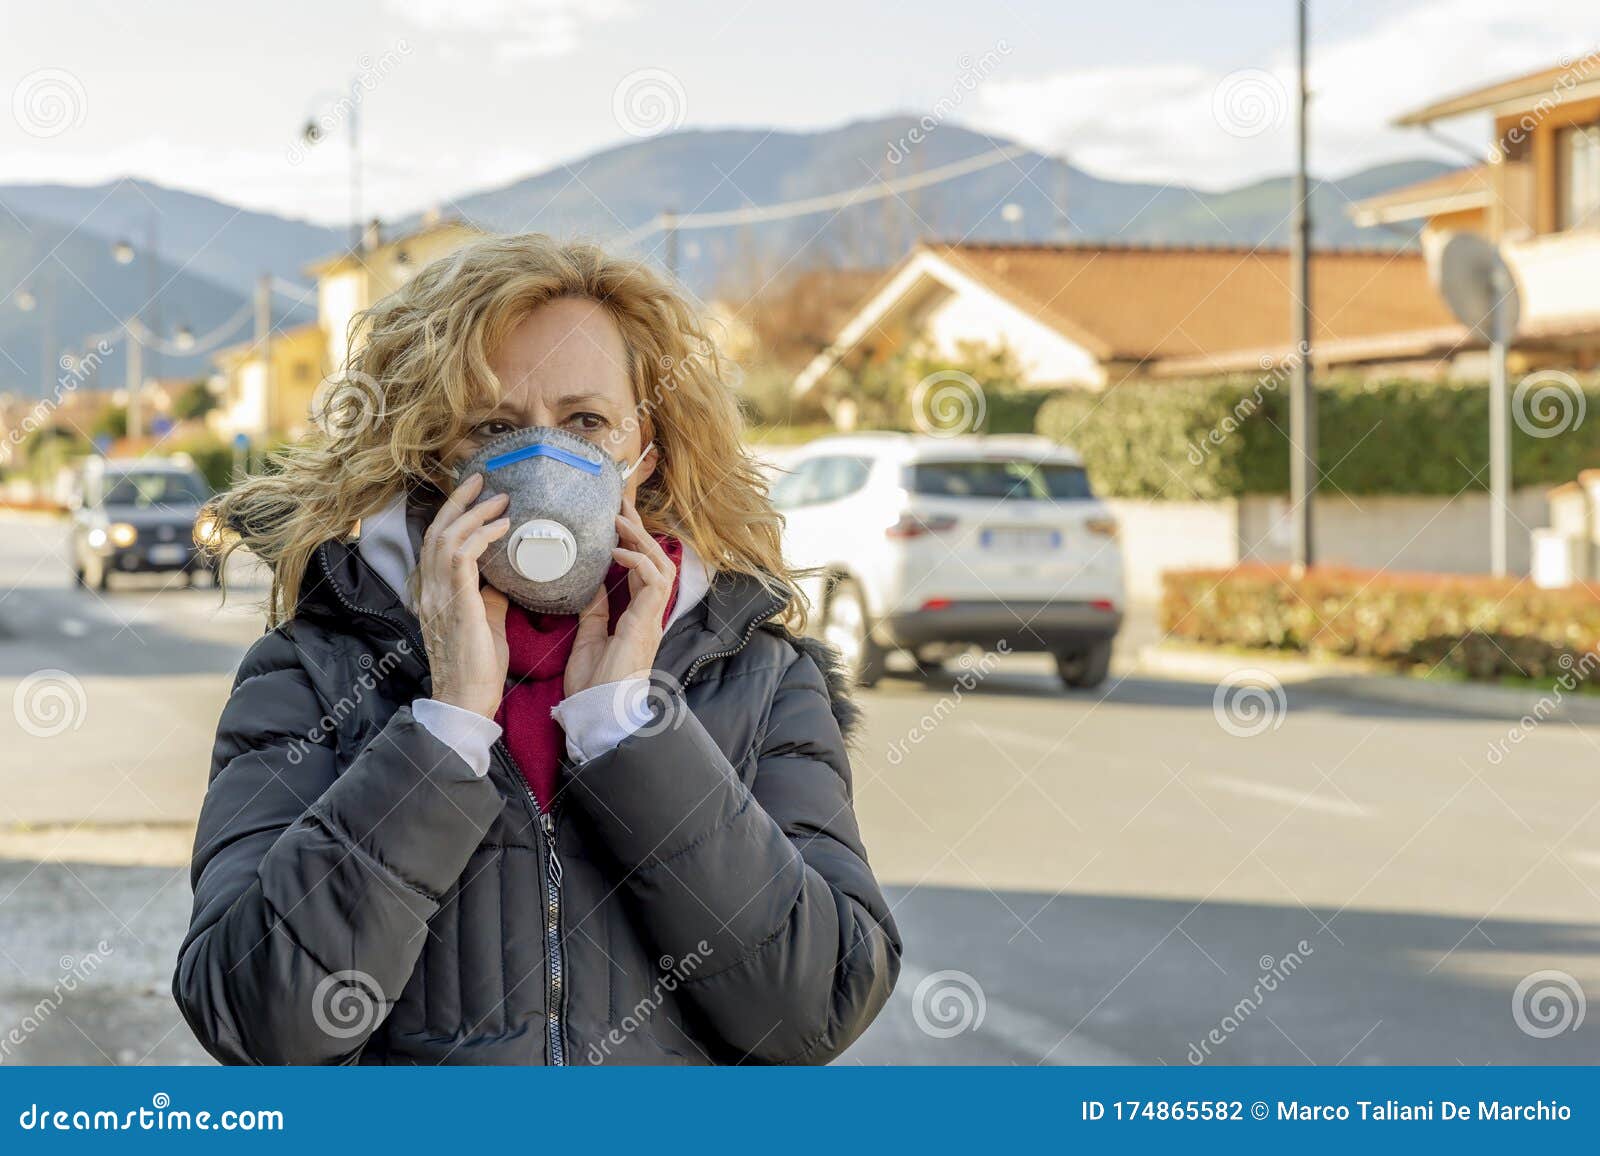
(1122, 876)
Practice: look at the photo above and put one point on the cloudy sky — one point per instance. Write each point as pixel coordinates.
(458, 95)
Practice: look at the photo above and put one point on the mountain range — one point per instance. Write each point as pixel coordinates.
(57, 241)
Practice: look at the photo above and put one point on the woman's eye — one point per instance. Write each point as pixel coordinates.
(493, 429)
(588, 422)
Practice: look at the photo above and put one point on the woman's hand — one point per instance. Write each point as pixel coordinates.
(464, 621)
(597, 657)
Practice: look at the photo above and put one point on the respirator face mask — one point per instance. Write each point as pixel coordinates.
(565, 493)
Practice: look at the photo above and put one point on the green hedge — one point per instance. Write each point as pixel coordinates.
(1476, 627)
(1223, 439)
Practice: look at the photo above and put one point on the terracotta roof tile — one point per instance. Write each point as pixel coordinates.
(1135, 303)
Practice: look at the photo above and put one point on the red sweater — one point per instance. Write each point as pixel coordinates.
(540, 645)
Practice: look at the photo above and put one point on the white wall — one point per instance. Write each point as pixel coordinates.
(1409, 533)
(1158, 536)
(1046, 358)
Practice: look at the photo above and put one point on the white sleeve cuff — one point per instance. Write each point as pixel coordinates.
(597, 719)
(466, 732)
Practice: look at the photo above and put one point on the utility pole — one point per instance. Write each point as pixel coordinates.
(669, 222)
(1302, 398)
(264, 350)
(356, 225)
(1063, 221)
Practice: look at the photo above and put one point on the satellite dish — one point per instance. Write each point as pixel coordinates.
(1477, 285)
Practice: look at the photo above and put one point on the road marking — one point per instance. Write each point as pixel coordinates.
(1589, 859)
(1301, 800)
(1032, 742)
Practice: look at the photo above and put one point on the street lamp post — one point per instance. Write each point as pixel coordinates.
(1302, 394)
(313, 131)
(125, 254)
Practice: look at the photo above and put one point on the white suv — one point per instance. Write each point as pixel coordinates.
(926, 543)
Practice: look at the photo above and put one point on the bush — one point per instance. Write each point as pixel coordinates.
(212, 456)
(1477, 627)
(1227, 438)
(884, 392)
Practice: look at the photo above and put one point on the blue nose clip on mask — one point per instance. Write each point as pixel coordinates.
(565, 494)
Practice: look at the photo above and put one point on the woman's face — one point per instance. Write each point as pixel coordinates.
(565, 366)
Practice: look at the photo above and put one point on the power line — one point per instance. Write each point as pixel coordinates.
(808, 206)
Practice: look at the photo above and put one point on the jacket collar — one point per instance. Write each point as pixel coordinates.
(342, 589)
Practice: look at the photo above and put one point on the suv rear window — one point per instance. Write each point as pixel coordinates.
(999, 480)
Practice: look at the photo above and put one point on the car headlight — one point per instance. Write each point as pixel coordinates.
(122, 534)
(205, 532)
(1101, 527)
(97, 539)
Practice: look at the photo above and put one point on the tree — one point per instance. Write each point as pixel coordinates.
(195, 401)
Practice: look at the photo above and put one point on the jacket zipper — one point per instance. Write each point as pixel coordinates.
(555, 986)
(744, 640)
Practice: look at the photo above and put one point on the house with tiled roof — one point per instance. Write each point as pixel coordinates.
(1094, 314)
(1537, 196)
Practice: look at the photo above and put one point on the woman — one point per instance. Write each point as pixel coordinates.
(404, 855)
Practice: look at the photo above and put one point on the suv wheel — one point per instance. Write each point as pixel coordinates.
(96, 573)
(844, 627)
(1084, 667)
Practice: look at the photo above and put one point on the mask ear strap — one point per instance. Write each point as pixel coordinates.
(628, 473)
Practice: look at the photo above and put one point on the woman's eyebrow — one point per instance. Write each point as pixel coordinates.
(567, 399)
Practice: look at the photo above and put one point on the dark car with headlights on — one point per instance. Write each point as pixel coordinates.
(137, 517)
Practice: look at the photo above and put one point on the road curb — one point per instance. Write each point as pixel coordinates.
(1367, 682)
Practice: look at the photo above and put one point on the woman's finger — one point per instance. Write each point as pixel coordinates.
(469, 551)
(455, 505)
(632, 530)
(640, 564)
(473, 520)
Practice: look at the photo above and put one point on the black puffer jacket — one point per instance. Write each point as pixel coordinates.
(701, 894)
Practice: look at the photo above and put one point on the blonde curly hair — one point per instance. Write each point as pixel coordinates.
(419, 369)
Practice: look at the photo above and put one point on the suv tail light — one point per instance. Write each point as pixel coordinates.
(1101, 527)
(913, 526)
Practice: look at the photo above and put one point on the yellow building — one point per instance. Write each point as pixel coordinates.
(260, 395)
(1537, 197)
(262, 402)
(358, 279)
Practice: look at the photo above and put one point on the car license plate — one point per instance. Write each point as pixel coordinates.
(169, 555)
(1020, 540)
